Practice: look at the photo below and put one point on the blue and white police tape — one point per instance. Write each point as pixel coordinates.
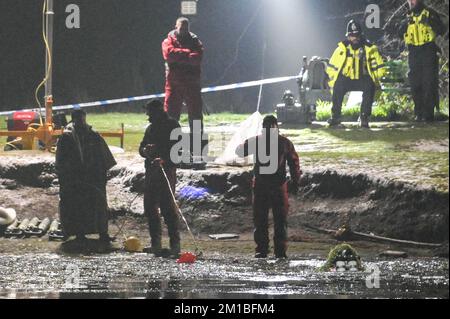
(161, 95)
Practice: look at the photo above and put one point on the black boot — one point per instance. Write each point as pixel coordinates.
(281, 256)
(430, 119)
(155, 250)
(105, 238)
(419, 119)
(334, 121)
(261, 255)
(364, 121)
(81, 238)
(175, 250)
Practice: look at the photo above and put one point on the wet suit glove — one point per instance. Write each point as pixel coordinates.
(293, 187)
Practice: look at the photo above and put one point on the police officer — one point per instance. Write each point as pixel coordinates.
(356, 65)
(419, 30)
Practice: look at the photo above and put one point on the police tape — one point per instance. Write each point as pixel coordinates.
(227, 87)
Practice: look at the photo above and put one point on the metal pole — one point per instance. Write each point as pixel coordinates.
(49, 17)
(263, 62)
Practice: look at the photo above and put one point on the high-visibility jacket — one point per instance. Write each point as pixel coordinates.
(419, 31)
(353, 63)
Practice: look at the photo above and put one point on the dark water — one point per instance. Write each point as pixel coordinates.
(141, 276)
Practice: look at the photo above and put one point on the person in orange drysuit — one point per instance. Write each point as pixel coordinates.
(270, 190)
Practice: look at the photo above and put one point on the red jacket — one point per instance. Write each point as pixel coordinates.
(286, 154)
(183, 58)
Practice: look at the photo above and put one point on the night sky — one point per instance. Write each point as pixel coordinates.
(117, 51)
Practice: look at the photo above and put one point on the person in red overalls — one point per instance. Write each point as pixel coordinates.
(270, 189)
(183, 53)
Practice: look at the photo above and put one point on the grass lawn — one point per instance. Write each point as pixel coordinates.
(135, 124)
(414, 154)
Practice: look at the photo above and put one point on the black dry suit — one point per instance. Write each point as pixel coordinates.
(82, 162)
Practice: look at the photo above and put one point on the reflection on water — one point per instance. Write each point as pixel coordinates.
(141, 276)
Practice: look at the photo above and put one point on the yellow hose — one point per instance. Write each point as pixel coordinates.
(49, 54)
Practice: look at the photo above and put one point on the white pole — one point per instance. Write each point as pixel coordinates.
(263, 66)
(49, 15)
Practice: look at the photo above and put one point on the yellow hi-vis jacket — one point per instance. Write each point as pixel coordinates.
(346, 60)
(419, 30)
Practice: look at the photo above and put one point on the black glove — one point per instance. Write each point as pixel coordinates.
(425, 20)
(293, 187)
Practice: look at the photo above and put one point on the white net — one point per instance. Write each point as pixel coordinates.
(249, 128)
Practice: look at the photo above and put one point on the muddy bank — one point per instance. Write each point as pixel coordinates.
(219, 199)
(34, 171)
(326, 199)
(391, 209)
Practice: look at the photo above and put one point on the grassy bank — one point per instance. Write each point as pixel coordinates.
(398, 151)
(389, 107)
(417, 154)
(136, 123)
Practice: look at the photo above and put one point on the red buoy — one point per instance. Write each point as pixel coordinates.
(187, 258)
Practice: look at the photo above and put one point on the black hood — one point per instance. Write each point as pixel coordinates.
(188, 37)
(418, 9)
(363, 41)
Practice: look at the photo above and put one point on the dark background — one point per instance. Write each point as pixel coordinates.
(117, 51)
